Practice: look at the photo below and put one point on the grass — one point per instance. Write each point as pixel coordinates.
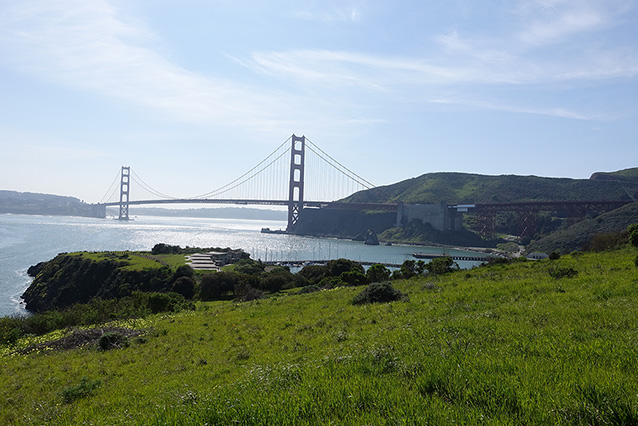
(504, 345)
(136, 260)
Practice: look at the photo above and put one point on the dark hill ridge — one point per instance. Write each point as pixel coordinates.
(475, 188)
(35, 203)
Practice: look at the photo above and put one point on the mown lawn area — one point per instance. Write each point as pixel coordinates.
(536, 343)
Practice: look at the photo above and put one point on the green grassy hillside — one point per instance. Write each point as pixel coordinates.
(580, 235)
(473, 188)
(536, 343)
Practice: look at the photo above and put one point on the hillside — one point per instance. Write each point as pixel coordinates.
(43, 204)
(536, 343)
(577, 236)
(474, 188)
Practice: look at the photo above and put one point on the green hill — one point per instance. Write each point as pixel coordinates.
(474, 188)
(535, 343)
(577, 236)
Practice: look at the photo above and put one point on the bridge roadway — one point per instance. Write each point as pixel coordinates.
(485, 207)
(321, 204)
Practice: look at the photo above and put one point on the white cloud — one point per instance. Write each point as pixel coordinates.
(85, 44)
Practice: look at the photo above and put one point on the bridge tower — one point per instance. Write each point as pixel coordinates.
(295, 197)
(124, 192)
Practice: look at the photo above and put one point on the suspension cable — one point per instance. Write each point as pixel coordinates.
(223, 188)
(149, 188)
(104, 198)
(352, 175)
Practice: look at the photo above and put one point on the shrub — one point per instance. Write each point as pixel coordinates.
(562, 272)
(554, 255)
(10, 330)
(378, 293)
(277, 279)
(113, 340)
(163, 302)
(84, 389)
(494, 260)
(249, 266)
(308, 289)
(245, 292)
(608, 241)
(633, 238)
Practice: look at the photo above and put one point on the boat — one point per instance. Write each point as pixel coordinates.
(272, 231)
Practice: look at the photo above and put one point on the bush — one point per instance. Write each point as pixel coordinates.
(84, 389)
(245, 292)
(633, 238)
(608, 241)
(249, 266)
(308, 289)
(562, 272)
(554, 255)
(163, 302)
(378, 293)
(10, 330)
(113, 340)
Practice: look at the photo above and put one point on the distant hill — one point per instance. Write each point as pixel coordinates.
(472, 188)
(42, 204)
(475, 188)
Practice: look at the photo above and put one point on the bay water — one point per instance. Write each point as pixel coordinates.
(26, 240)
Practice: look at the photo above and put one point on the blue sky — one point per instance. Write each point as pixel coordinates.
(192, 93)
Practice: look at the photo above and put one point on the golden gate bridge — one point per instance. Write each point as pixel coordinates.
(299, 174)
(278, 180)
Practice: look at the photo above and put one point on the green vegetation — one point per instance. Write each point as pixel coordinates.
(600, 233)
(473, 188)
(523, 342)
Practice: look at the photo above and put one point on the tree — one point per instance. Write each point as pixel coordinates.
(441, 265)
(353, 278)
(214, 286)
(408, 269)
(337, 267)
(377, 273)
(184, 286)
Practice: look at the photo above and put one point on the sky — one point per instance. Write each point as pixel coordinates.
(193, 93)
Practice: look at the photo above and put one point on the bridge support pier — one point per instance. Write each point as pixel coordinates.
(295, 196)
(124, 192)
